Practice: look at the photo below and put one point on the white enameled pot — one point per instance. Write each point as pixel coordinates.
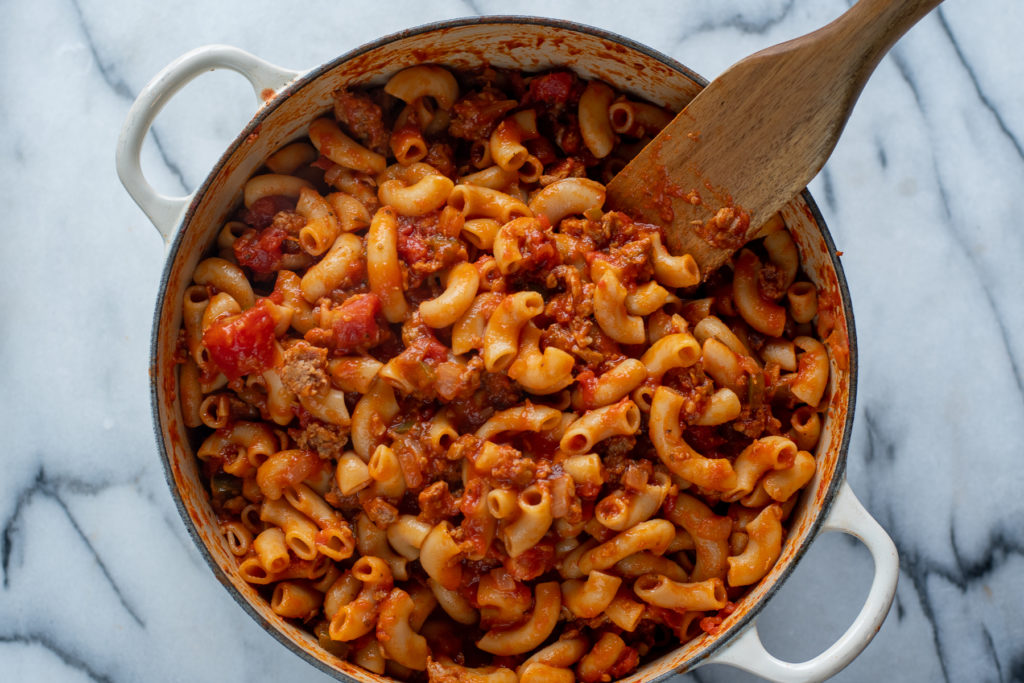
(288, 101)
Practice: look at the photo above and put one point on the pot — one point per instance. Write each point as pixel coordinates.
(288, 101)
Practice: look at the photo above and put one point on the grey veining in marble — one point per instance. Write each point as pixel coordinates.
(924, 195)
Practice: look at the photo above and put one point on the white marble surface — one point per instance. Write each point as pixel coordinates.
(924, 195)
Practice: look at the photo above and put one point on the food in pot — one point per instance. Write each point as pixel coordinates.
(456, 415)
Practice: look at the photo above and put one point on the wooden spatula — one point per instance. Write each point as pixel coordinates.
(754, 138)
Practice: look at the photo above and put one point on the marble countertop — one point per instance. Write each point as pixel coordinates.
(924, 195)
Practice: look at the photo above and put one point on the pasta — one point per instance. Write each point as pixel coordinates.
(438, 388)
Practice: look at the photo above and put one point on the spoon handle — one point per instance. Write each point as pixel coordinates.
(758, 134)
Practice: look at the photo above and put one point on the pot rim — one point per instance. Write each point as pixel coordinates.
(839, 473)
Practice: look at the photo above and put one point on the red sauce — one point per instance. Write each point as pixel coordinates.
(661, 193)
(429, 378)
(713, 625)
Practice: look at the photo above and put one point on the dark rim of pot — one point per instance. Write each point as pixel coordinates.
(837, 478)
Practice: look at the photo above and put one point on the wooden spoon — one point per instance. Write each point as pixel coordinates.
(754, 138)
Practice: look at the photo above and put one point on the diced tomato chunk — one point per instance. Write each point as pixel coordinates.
(243, 344)
(433, 350)
(356, 323)
(412, 247)
(262, 212)
(261, 251)
(553, 88)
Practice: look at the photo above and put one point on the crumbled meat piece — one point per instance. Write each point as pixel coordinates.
(632, 258)
(303, 369)
(624, 466)
(289, 221)
(363, 118)
(771, 282)
(466, 447)
(327, 440)
(501, 391)
(694, 385)
(442, 157)
(560, 308)
(619, 445)
(593, 233)
(623, 229)
(570, 167)
(348, 504)
(727, 228)
(517, 471)
(629, 248)
(576, 298)
(574, 337)
(381, 512)
(436, 503)
(583, 339)
(753, 421)
(475, 116)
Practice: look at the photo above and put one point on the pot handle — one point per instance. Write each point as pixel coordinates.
(266, 80)
(848, 516)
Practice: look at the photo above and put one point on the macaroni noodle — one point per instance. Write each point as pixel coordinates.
(449, 408)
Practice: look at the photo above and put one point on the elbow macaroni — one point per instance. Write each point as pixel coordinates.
(469, 379)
